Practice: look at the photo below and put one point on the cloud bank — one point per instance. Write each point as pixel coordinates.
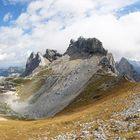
(52, 23)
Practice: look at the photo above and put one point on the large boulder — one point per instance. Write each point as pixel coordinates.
(52, 55)
(85, 47)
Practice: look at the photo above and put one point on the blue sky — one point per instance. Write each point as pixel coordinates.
(35, 25)
(129, 9)
(14, 9)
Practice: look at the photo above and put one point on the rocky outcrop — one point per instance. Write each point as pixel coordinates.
(125, 68)
(52, 55)
(108, 63)
(34, 61)
(85, 47)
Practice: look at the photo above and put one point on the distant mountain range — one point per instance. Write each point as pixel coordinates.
(136, 65)
(129, 69)
(11, 71)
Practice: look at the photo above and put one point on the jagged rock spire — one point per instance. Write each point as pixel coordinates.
(85, 47)
(52, 55)
(33, 62)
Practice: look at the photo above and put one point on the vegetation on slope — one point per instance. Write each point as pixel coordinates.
(26, 87)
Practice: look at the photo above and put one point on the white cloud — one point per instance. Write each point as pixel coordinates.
(52, 23)
(7, 17)
(66, 11)
(3, 56)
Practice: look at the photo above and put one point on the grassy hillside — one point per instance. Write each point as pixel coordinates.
(96, 113)
(25, 87)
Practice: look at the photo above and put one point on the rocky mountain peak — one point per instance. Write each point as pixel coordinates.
(33, 62)
(52, 55)
(85, 46)
(125, 68)
(124, 60)
(39, 57)
(32, 55)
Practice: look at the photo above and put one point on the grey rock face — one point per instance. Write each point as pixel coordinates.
(86, 47)
(52, 55)
(125, 68)
(33, 62)
(108, 63)
(67, 81)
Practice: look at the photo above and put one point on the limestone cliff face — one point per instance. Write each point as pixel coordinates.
(127, 69)
(85, 47)
(34, 61)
